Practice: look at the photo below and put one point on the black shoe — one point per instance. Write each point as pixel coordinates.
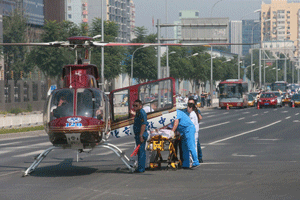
(195, 167)
(200, 160)
(185, 168)
(137, 171)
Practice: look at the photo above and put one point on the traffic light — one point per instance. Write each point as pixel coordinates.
(21, 74)
(30, 74)
(12, 74)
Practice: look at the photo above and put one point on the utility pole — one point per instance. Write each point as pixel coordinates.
(102, 48)
(158, 50)
(259, 60)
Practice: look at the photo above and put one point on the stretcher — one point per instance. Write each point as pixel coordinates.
(159, 142)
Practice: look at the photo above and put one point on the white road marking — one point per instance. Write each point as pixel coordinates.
(252, 122)
(246, 112)
(296, 121)
(2, 152)
(111, 152)
(266, 111)
(288, 117)
(29, 154)
(17, 138)
(214, 125)
(244, 133)
(255, 115)
(210, 116)
(284, 111)
(9, 173)
(235, 154)
(257, 138)
(241, 118)
(275, 109)
(214, 163)
(225, 113)
(297, 114)
(6, 144)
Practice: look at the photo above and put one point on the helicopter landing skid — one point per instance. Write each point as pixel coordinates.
(112, 147)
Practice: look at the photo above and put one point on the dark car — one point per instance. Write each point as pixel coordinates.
(296, 100)
(267, 99)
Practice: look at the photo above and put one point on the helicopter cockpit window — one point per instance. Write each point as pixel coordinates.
(121, 105)
(156, 96)
(89, 103)
(62, 103)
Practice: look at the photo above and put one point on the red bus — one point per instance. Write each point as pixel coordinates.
(233, 92)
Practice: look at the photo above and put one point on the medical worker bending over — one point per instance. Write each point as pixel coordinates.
(186, 129)
(140, 134)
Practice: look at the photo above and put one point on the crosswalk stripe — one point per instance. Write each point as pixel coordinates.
(3, 152)
(29, 154)
(6, 144)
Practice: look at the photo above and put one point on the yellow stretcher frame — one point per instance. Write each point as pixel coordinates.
(159, 144)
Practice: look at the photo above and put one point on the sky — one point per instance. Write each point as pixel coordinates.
(234, 9)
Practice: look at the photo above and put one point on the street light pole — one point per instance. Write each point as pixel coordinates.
(131, 73)
(211, 70)
(158, 50)
(102, 48)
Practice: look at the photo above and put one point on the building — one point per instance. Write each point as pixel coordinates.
(33, 10)
(192, 14)
(235, 35)
(122, 12)
(250, 34)
(54, 10)
(280, 21)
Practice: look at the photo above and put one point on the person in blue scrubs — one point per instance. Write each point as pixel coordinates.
(199, 150)
(140, 133)
(186, 128)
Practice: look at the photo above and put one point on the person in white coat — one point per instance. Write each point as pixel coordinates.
(191, 109)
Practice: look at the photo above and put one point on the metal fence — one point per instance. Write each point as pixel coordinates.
(23, 94)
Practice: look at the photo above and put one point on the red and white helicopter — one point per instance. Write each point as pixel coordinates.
(80, 116)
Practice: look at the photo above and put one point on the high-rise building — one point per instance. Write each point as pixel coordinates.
(54, 10)
(122, 12)
(33, 10)
(235, 35)
(250, 34)
(280, 21)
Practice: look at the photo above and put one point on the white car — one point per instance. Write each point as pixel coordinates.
(279, 98)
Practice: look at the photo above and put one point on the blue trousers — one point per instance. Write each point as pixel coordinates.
(199, 150)
(141, 152)
(188, 146)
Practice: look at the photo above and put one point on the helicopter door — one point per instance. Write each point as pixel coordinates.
(107, 114)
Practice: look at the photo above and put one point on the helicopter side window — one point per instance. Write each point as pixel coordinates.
(61, 103)
(156, 96)
(120, 105)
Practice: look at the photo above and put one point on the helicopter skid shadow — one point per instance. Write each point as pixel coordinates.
(63, 169)
(66, 169)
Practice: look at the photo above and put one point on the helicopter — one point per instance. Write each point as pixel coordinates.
(80, 116)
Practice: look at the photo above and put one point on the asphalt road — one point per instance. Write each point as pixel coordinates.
(248, 154)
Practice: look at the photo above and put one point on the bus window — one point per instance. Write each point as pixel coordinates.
(120, 105)
(156, 96)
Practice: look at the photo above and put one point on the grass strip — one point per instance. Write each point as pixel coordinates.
(18, 130)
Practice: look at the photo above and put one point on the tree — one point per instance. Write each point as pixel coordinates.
(145, 60)
(113, 55)
(14, 32)
(51, 60)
